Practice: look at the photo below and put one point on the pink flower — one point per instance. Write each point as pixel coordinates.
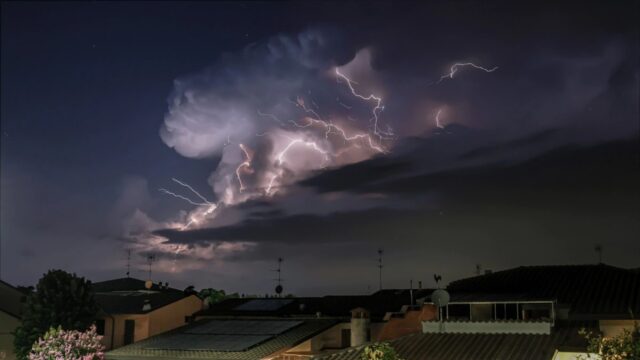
(58, 344)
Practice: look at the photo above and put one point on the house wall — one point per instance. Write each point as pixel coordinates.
(141, 331)
(8, 324)
(173, 315)
(329, 339)
(156, 322)
(411, 323)
(611, 328)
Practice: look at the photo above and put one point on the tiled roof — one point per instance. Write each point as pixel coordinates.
(378, 304)
(128, 296)
(10, 299)
(151, 348)
(591, 291)
(125, 284)
(477, 346)
(131, 302)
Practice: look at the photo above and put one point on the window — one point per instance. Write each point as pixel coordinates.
(345, 338)
(458, 312)
(100, 326)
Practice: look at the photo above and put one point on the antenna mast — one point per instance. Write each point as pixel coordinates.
(279, 287)
(150, 259)
(598, 249)
(380, 252)
(128, 262)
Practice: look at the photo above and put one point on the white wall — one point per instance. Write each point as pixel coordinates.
(487, 327)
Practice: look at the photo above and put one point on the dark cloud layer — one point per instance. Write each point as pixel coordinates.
(590, 180)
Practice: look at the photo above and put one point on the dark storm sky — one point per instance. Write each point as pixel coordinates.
(537, 163)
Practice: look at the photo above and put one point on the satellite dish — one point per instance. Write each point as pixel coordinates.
(148, 284)
(279, 289)
(440, 298)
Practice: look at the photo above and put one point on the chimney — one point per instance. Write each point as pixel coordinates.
(359, 326)
(419, 284)
(146, 306)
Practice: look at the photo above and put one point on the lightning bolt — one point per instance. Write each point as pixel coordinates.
(438, 119)
(376, 109)
(244, 165)
(280, 159)
(329, 127)
(204, 203)
(454, 70)
(310, 144)
(194, 218)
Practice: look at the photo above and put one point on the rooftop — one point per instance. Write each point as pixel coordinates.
(225, 339)
(126, 284)
(10, 299)
(435, 346)
(591, 291)
(378, 304)
(128, 296)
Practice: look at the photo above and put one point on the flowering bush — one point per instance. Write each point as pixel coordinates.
(380, 351)
(621, 347)
(58, 344)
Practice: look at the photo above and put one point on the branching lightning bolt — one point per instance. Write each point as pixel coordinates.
(204, 203)
(454, 70)
(376, 109)
(211, 207)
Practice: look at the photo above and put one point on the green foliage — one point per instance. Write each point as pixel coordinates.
(380, 351)
(213, 296)
(624, 346)
(60, 300)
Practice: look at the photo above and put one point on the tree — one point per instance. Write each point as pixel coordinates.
(60, 300)
(69, 345)
(624, 346)
(213, 296)
(380, 351)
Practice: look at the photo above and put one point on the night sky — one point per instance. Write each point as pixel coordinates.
(221, 136)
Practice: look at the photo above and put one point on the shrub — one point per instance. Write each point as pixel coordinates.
(69, 345)
(380, 351)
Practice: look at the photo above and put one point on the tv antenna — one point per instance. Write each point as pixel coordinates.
(128, 262)
(598, 250)
(150, 259)
(380, 252)
(279, 287)
(440, 299)
(437, 278)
